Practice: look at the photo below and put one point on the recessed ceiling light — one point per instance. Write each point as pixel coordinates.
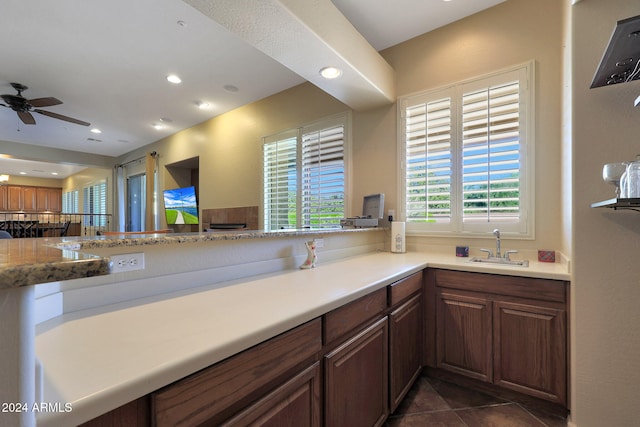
(203, 105)
(54, 173)
(96, 130)
(331, 72)
(182, 23)
(23, 173)
(157, 126)
(231, 88)
(165, 120)
(172, 78)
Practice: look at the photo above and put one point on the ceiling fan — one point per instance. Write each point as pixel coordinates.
(24, 107)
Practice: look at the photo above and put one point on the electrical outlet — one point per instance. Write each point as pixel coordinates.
(127, 262)
(319, 243)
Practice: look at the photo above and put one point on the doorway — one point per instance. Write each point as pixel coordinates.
(136, 202)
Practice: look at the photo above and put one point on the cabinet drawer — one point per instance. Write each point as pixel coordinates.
(208, 395)
(402, 289)
(296, 401)
(346, 318)
(514, 286)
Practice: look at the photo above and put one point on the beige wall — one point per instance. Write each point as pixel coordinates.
(229, 147)
(511, 33)
(606, 244)
(35, 182)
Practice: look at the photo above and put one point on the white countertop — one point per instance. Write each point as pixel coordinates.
(100, 359)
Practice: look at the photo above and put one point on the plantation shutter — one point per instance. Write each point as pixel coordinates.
(70, 201)
(428, 161)
(468, 155)
(491, 154)
(280, 181)
(323, 176)
(95, 202)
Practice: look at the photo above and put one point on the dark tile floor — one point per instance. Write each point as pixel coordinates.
(436, 403)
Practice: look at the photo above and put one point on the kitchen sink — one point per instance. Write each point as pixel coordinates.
(501, 261)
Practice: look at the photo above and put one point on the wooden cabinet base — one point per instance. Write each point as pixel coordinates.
(356, 380)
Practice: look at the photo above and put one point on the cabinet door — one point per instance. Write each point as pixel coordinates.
(15, 198)
(405, 348)
(4, 202)
(55, 200)
(464, 335)
(49, 199)
(356, 380)
(530, 350)
(30, 202)
(294, 404)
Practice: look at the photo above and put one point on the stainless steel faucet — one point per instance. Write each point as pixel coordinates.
(496, 233)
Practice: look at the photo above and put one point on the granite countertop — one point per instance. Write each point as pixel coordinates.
(173, 238)
(33, 261)
(26, 262)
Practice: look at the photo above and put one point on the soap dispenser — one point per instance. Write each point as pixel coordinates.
(397, 237)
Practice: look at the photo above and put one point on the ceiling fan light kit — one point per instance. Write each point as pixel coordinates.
(24, 107)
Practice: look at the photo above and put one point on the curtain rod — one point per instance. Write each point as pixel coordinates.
(153, 154)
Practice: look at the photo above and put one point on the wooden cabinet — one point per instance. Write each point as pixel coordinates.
(32, 199)
(294, 404)
(221, 391)
(464, 335)
(405, 336)
(4, 202)
(530, 349)
(356, 372)
(356, 375)
(15, 198)
(49, 199)
(135, 413)
(29, 197)
(505, 330)
(348, 368)
(405, 348)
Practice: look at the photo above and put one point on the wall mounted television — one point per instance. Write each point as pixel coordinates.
(181, 206)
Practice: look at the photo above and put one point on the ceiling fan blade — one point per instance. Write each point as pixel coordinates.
(61, 117)
(26, 118)
(44, 102)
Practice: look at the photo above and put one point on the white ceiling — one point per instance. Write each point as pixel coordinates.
(107, 61)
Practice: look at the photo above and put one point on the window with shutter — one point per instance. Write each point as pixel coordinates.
(280, 181)
(95, 202)
(70, 201)
(468, 155)
(304, 173)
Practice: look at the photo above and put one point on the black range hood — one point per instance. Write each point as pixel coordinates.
(621, 61)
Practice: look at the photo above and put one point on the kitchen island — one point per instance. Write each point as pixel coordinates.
(96, 359)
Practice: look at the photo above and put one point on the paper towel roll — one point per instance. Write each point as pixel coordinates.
(397, 236)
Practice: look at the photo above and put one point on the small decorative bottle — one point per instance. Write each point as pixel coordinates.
(311, 255)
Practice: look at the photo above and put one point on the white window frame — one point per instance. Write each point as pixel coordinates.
(89, 205)
(524, 228)
(302, 183)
